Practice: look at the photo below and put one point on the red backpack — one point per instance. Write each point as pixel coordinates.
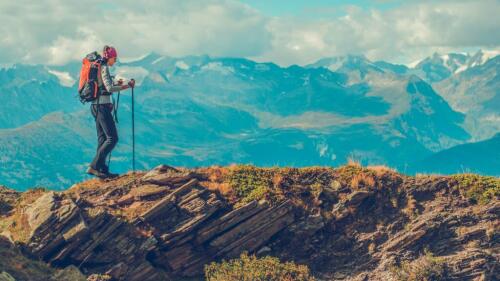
(88, 88)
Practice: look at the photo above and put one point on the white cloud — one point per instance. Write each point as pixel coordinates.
(64, 78)
(408, 32)
(57, 31)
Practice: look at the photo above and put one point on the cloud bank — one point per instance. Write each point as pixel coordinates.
(56, 31)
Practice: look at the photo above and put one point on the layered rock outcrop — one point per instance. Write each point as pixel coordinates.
(350, 224)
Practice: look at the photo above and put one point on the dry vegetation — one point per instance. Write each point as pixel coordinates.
(251, 268)
(244, 183)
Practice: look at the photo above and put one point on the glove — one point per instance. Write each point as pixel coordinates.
(119, 82)
(131, 83)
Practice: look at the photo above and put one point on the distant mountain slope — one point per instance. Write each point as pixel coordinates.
(417, 111)
(476, 93)
(479, 157)
(47, 152)
(199, 110)
(29, 92)
(439, 67)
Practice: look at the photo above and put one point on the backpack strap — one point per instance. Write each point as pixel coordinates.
(97, 63)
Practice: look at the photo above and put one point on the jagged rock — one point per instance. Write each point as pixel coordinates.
(143, 193)
(340, 211)
(8, 198)
(167, 225)
(252, 233)
(229, 220)
(308, 226)
(99, 277)
(355, 198)
(263, 251)
(166, 175)
(166, 202)
(70, 273)
(5, 276)
(53, 221)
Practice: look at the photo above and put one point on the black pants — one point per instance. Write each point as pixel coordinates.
(107, 135)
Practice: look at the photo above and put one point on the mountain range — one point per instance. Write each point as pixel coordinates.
(439, 115)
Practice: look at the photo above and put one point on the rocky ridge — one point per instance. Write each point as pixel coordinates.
(349, 223)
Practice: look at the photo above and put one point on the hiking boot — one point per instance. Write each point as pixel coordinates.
(94, 172)
(106, 171)
(111, 175)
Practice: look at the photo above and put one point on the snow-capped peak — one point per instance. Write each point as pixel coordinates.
(456, 62)
(347, 61)
(482, 57)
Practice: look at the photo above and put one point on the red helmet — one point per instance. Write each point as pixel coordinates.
(109, 52)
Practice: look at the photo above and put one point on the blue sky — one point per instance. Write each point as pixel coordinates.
(284, 32)
(312, 8)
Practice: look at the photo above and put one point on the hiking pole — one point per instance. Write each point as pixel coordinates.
(133, 132)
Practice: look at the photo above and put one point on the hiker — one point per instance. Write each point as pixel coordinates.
(101, 108)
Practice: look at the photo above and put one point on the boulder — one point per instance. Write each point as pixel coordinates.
(167, 176)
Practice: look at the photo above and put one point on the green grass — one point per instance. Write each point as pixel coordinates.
(250, 183)
(480, 189)
(251, 268)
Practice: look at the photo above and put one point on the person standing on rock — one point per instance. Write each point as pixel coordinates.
(102, 108)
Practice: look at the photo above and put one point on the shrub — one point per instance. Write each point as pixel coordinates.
(478, 188)
(251, 268)
(362, 180)
(250, 183)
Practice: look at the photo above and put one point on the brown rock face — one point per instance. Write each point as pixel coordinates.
(166, 225)
(8, 198)
(174, 226)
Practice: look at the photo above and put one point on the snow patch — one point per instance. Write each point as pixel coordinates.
(64, 78)
(156, 77)
(445, 59)
(491, 118)
(182, 65)
(262, 67)
(489, 55)
(158, 60)
(129, 72)
(218, 67)
(322, 149)
(413, 64)
(298, 146)
(461, 68)
(335, 66)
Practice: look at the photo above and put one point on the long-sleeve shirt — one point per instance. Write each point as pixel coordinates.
(106, 86)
